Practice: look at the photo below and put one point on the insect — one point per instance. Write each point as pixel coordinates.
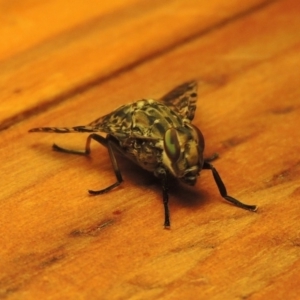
(156, 135)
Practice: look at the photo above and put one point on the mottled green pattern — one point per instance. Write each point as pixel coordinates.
(143, 118)
(140, 131)
(182, 100)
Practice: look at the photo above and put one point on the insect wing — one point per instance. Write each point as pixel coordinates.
(117, 123)
(137, 120)
(182, 100)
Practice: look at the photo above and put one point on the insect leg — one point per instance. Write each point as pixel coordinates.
(106, 142)
(86, 151)
(223, 191)
(162, 174)
(212, 157)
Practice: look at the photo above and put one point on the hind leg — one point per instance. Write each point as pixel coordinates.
(106, 142)
(86, 151)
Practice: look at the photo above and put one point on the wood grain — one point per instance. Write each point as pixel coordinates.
(112, 41)
(60, 243)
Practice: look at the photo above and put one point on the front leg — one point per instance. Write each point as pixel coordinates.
(223, 191)
(212, 157)
(163, 176)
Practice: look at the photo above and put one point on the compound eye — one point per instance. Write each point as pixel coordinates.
(171, 144)
(200, 138)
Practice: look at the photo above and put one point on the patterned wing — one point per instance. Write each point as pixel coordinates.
(118, 123)
(182, 99)
(143, 119)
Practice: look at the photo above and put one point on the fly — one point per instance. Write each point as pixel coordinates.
(156, 135)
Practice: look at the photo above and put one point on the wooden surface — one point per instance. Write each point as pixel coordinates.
(67, 64)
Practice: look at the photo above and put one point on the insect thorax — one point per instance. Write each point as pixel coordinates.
(155, 132)
(145, 153)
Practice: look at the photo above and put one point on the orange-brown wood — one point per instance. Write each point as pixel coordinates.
(57, 242)
(68, 59)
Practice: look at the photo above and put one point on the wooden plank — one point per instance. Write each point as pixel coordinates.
(29, 23)
(59, 243)
(62, 63)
